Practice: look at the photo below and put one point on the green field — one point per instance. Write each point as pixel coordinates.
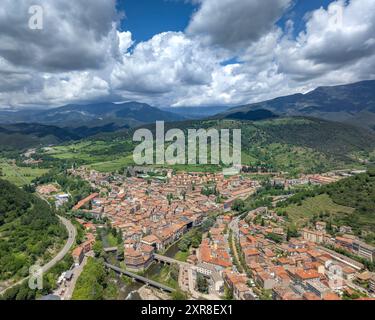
(182, 256)
(290, 145)
(163, 275)
(19, 175)
(315, 206)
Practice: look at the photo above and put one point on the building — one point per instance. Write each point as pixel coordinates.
(78, 255)
(153, 241)
(317, 288)
(321, 226)
(301, 275)
(205, 269)
(136, 260)
(364, 250)
(85, 201)
(372, 283)
(242, 292)
(251, 256)
(344, 242)
(313, 236)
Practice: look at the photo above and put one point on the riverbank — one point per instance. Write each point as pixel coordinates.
(152, 294)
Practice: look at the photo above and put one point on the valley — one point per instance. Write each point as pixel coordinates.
(304, 182)
(217, 153)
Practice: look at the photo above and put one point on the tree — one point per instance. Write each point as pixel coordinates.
(184, 245)
(292, 232)
(98, 248)
(170, 198)
(228, 293)
(91, 283)
(120, 252)
(174, 271)
(208, 224)
(238, 205)
(202, 284)
(178, 295)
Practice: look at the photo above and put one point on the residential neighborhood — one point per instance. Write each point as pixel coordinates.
(243, 257)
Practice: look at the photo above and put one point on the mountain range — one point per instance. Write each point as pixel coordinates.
(353, 104)
(130, 114)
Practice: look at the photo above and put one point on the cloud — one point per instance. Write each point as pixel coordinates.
(232, 53)
(232, 23)
(334, 39)
(76, 35)
(164, 63)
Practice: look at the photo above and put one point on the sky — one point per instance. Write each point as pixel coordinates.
(181, 52)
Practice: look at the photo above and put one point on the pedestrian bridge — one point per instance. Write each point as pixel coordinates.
(140, 278)
(167, 260)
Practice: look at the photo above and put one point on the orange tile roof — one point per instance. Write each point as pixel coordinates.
(331, 296)
(310, 296)
(251, 252)
(306, 275)
(77, 252)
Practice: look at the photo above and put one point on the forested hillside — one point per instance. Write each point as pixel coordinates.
(29, 229)
(288, 144)
(357, 192)
(349, 202)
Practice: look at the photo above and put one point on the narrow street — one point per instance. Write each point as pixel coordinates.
(66, 291)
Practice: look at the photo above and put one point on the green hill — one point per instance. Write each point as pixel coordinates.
(357, 192)
(349, 202)
(287, 144)
(24, 135)
(29, 230)
(129, 114)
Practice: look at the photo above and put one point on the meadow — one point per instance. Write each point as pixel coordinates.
(19, 175)
(315, 206)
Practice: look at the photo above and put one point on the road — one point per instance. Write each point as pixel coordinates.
(233, 225)
(72, 233)
(70, 286)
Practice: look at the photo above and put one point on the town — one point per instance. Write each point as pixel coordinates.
(243, 256)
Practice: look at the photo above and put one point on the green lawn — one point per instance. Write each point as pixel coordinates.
(165, 278)
(113, 165)
(19, 175)
(98, 155)
(313, 206)
(182, 256)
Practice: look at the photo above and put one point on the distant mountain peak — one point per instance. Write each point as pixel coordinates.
(351, 103)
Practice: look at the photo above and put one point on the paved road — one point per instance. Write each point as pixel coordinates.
(72, 233)
(234, 226)
(76, 273)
